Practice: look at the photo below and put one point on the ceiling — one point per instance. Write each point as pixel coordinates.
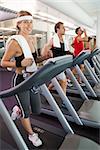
(84, 11)
(92, 7)
(6, 14)
(80, 10)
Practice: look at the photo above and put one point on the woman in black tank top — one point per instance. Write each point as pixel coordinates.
(24, 26)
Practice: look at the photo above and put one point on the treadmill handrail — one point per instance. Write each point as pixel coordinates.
(85, 54)
(41, 76)
(81, 57)
(96, 51)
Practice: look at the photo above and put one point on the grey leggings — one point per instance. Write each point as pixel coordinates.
(27, 100)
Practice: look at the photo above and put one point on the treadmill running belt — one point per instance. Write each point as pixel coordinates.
(50, 141)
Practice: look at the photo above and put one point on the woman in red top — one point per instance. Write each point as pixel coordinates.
(78, 45)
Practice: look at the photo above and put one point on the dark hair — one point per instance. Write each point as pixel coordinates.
(23, 13)
(94, 38)
(76, 30)
(89, 38)
(57, 26)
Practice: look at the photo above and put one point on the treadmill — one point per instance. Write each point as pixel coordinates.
(95, 76)
(91, 72)
(88, 88)
(81, 111)
(97, 63)
(34, 81)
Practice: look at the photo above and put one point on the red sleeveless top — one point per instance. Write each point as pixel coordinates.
(78, 46)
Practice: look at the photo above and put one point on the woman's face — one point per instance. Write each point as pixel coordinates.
(80, 31)
(25, 26)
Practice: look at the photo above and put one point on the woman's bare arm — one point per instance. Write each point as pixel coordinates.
(9, 53)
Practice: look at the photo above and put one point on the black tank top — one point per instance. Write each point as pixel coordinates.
(20, 58)
(58, 51)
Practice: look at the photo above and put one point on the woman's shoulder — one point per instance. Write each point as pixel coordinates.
(12, 44)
